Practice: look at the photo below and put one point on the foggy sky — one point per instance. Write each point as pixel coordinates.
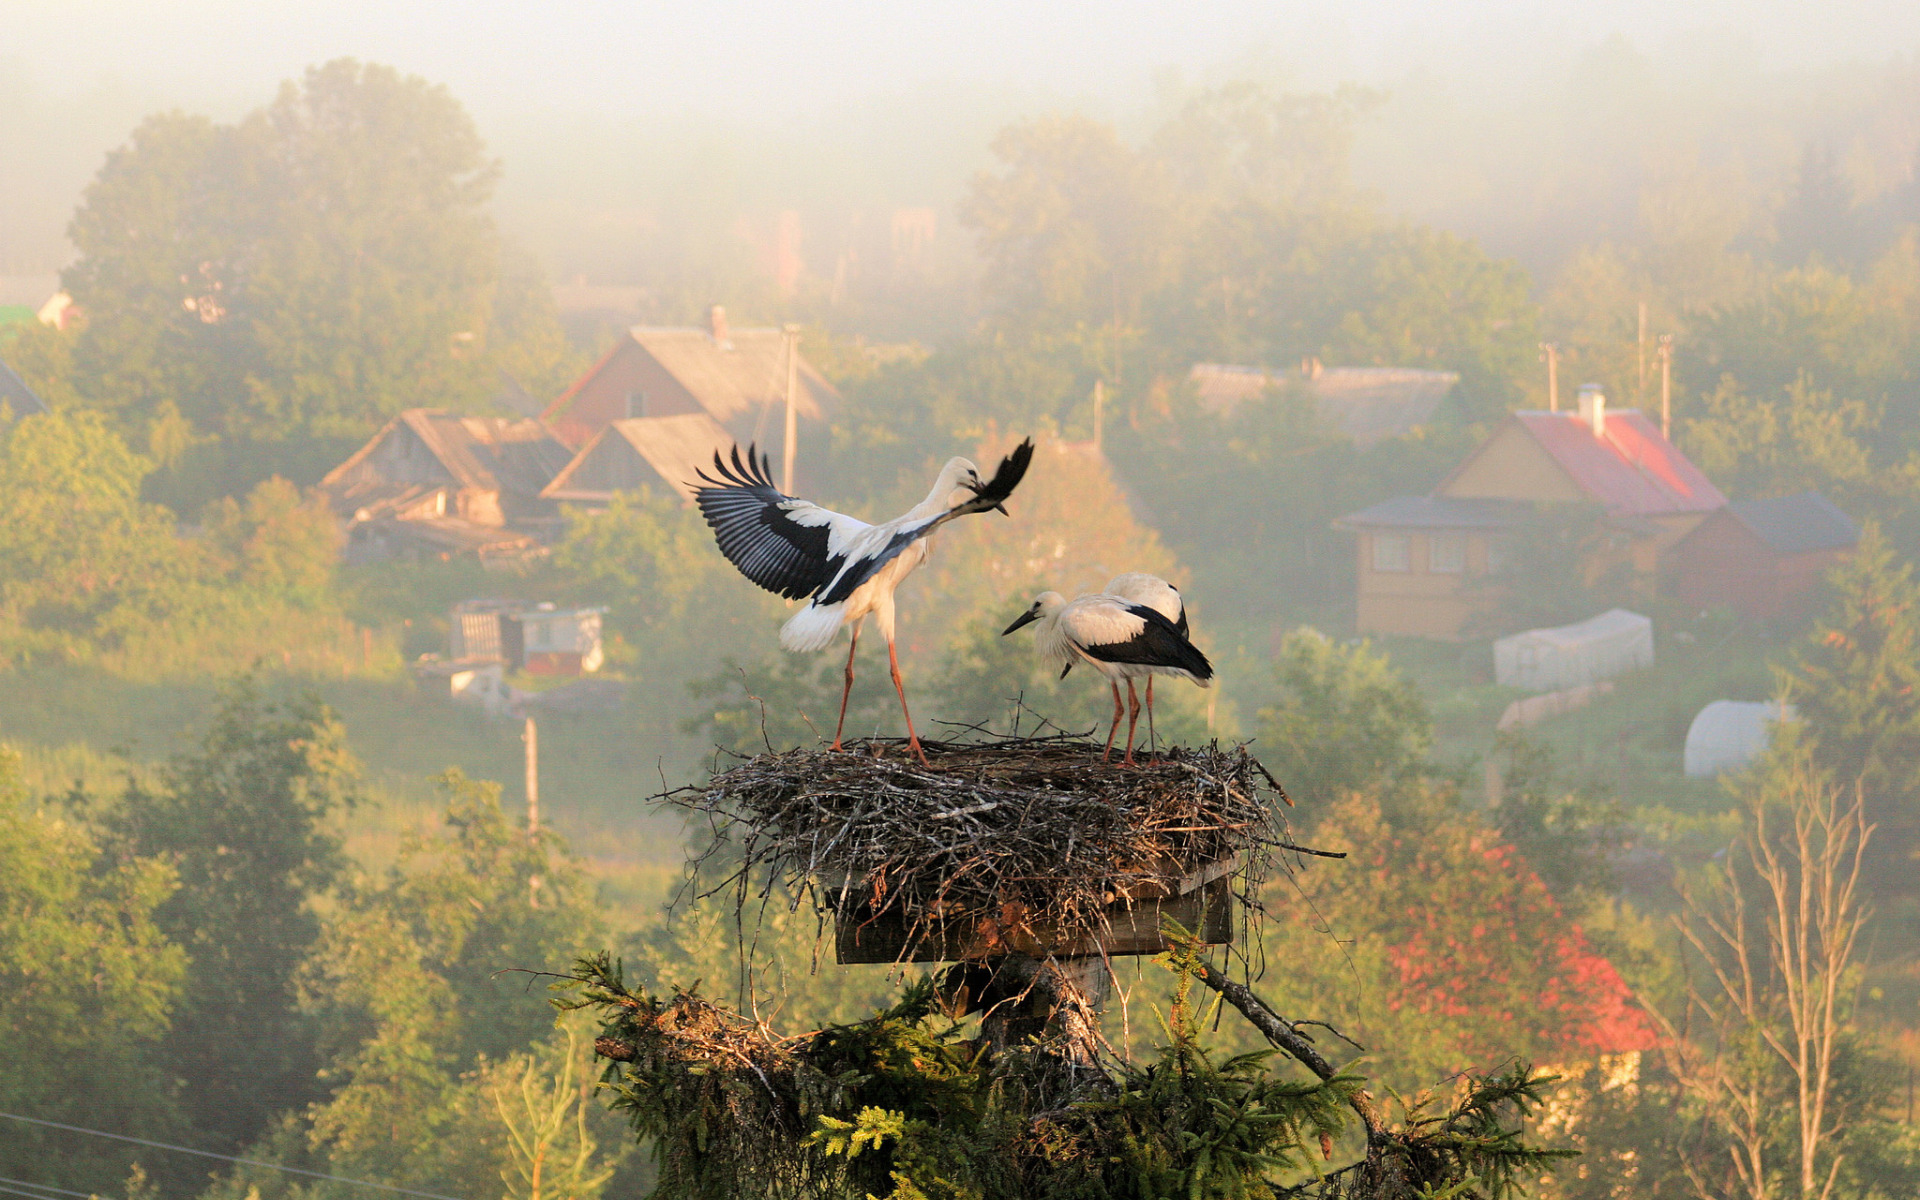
(593, 102)
(747, 57)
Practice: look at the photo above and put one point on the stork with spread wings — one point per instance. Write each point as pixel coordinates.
(844, 568)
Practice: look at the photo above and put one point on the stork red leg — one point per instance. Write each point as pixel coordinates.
(1133, 721)
(1153, 743)
(913, 742)
(1107, 754)
(848, 690)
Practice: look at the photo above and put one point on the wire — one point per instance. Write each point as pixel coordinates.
(250, 1162)
(45, 1187)
(41, 1195)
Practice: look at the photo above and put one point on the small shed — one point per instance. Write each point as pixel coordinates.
(1728, 735)
(1763, 558)
(560, 641)
(541, 639)
(1571, 656)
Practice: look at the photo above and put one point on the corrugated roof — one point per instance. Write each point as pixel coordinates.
(676, 447)
(737, 378)
(1797, 524)
(1632, 470)
(488, 454)
(1366, 403)
(1437, 512)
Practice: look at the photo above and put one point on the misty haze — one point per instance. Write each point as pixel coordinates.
(960, 602)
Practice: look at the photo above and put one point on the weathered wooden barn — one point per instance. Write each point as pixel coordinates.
(661, 453)
(1365, 403)
(433, 484)
(1432, 566)
(1763, 559)
(736, 377)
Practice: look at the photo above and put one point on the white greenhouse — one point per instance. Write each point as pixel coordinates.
(1571, 656)
(1728, 735)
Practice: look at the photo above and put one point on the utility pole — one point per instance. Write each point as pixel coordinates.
(1099, 404)
(1640, 348)
(1666, 385)
(531, 736)
(1550, 354)
(793, 385)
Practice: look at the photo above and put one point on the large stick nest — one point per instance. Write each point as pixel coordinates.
(1037, 832)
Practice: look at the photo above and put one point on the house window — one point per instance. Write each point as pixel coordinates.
(1448, 554)
(636, 404)
(1390, 552)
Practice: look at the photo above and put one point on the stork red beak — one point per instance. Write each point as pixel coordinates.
(1025, 619)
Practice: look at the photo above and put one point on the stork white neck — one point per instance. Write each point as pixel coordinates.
(948, 489)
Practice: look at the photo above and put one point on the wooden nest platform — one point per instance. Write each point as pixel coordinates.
(1011, 845)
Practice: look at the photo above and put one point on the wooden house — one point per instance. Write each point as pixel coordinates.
(438, 485)
(1763, 558)
(736, 377)
(1432, 565)
(1365, 403)
(661, 453)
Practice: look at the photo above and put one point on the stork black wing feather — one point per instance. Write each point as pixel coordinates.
(1158, 644)
(750, 521)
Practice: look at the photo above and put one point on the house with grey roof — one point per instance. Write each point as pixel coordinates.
(1763, 559)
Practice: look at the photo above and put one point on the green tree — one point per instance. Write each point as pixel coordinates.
(412, 984)
(83, 561)
(275, 542)
(287, 281)
(88, 979)
(246, 822)
(1346, 721)
(1856, 677)
(1075, 229)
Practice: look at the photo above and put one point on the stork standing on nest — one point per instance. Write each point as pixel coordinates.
(1121, 641)
(844, 568)
(1138, 587)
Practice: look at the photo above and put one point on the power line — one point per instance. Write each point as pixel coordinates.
(42, 1195)
(250, 1162)
(45, 1187)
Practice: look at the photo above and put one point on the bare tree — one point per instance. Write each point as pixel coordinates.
(1778, 928)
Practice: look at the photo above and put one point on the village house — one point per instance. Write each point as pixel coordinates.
(1365, 403)
(1431, 566)
(1764, 559)
(738, 378)
(433, 484)
(664, 454)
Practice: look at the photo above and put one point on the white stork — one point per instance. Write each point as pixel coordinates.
(1138, 587)
(1117, 639)
(844, 568)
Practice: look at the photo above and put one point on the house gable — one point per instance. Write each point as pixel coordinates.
(628, 382)
(666, 453)
(1512, 465)
(664, 372)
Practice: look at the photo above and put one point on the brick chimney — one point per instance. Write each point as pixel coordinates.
(1593, 408)
(717, 326)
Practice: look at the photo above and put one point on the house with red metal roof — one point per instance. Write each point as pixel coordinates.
(1433, 565)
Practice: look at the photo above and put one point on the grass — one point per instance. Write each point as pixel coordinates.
(88, 726)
